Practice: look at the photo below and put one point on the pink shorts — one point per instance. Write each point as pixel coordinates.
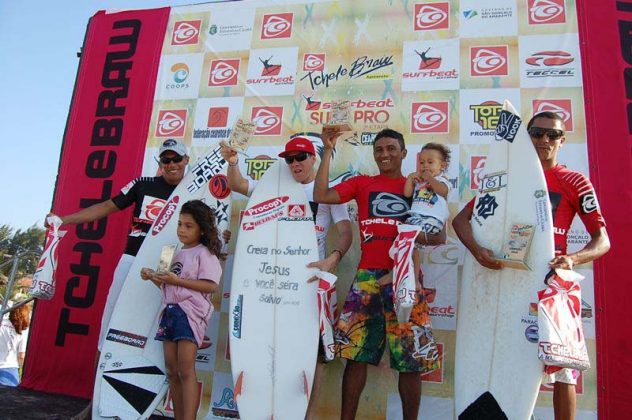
(566, 376)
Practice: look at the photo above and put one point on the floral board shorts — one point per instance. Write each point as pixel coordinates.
(368, 323)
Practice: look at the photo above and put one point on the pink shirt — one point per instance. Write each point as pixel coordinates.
(196, 263)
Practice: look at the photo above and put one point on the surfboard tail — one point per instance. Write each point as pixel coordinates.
(485, 407)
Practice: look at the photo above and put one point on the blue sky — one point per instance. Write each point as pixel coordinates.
(39, 41)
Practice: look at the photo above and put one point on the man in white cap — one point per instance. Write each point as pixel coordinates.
(148, 195)
(300, 156)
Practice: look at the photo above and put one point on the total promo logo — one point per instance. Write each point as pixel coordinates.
(277, 25)
(489, 61)
(171, 123)
(546, 11)
(224, 72)
(429, 117)
(186, 32)
(314, 61)
(486, 114)
(431, 16)
(268, 120)
(562, 107)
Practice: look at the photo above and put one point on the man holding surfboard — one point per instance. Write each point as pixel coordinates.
(300, 156)
(148, 195)
(368, 320)
(570, 193)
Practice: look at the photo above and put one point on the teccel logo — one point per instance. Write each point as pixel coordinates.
(267, 120)
(224, 72)
(277, 25)
(429, 16)
(186, 32)
(546, 11)
(550, 58)
(171, 123)
(489, 61)
(429, 117)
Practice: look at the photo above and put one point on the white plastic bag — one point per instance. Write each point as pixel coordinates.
(43, 286)
(404, 295)
(561, 340)
(327, 303)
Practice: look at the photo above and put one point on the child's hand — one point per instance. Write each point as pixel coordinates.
(415, 176)
(146, 273)
(426, 175)
(167, 278)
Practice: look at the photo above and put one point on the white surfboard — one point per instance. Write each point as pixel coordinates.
(496, 346)
(130, 379)
(273, 318)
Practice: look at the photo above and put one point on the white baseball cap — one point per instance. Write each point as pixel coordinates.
(174, 145)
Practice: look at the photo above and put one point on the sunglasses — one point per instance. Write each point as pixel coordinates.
(167, 160)
(551, 133)
(298, 157)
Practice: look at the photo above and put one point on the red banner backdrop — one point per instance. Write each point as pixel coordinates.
(606, 41)
(103, 148)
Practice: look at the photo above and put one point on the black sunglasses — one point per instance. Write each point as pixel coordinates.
(551, 133)
(298, 157)
(167, 160)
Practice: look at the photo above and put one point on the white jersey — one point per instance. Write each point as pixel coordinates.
(324, 214)
(11, 344)
(429, 209)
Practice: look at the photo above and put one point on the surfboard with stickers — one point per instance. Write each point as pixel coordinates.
(497, 367)
(130, 379)
(273, 318)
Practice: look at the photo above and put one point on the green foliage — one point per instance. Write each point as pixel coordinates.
(29, 242)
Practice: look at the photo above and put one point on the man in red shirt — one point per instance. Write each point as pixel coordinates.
(570, 193)
(368, 322)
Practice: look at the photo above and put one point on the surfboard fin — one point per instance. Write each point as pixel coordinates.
(305, 385)
(485, 407)
(238, 385)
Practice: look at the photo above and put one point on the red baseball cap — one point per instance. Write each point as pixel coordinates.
(298, 144)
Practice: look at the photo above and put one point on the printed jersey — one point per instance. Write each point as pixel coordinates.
(149, 195)
(429, 209)
(381, 207)
(571, 193)
(194, 263)
(324, 214)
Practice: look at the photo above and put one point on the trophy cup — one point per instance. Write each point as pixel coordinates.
(340, 116)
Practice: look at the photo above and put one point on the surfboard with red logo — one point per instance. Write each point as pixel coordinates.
(273, 318)
(130, 379)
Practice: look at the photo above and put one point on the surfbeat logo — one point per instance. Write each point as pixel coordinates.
(277, 25)
(429, 117)
(562, 107)
(365, 111)
(186, 32)
(171, 123)
(489, 61)
(429, 16)
(314, 62)
(165, 215)
(507, 127)
(267, 120)
(224, 72)
(546, 11)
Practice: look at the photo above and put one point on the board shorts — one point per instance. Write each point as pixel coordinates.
(9, 376)
(174, 325)
(368, 323)
(566, 376)
(120, 274)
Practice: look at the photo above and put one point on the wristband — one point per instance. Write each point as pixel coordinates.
(233, 164)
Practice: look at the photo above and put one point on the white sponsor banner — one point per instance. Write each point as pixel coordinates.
(430, 65)
(550, 61)
(230, 29)
(179, 76)
(214, 119)
(272, 72)
(485, 18)
(479, 112)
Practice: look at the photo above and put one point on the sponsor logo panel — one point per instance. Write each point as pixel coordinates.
(545, 12)
(550, 60)
(230, 31)
(171, 123)
(272, 72)
(487, 18)
(268, 120)
(431, 16)
(431, 65)
(429, 117)
(224, 72)
(562, 107)
(276, 26)
(186, 32)
(492, 60)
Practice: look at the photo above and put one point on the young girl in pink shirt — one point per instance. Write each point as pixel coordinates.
(186, 308)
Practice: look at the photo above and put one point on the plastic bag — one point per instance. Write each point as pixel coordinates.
(327, 303)
(43, 286)
(404, 296)
(561, 340)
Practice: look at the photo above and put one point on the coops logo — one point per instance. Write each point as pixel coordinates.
(277, 25)
(171, 123)
(267, 120)
(550, 58)
(224, 72)
(546, 11)
(429, 117)
(186, 32)
(430, 16)
(562, 107)
(314, 62)
(489, 61)
(180, 72)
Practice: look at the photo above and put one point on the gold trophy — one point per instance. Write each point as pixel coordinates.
(340, 116)
(240, 135)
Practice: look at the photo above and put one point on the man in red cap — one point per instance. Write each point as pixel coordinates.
(300, 156)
